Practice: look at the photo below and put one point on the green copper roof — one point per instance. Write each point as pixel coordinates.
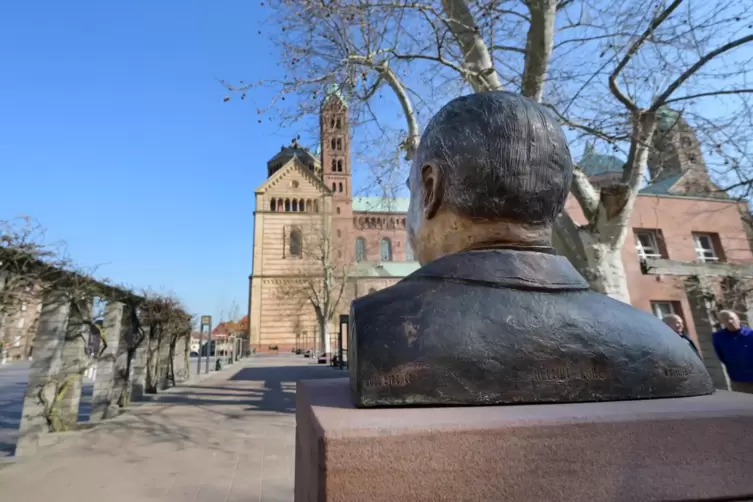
(661, 187)
(667, 118)
(381, 204)
(386, 269)
(594, 164)
(334, 90)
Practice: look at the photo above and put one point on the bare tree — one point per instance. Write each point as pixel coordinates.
(673, 56)
(321, 272)
(23, 283)
(229, 323)
(608, 71)
(163, 321)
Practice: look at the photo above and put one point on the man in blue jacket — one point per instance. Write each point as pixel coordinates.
(734, 347)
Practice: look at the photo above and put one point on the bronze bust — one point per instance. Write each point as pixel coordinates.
(494, 315)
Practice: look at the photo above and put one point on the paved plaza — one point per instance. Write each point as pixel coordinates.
(229, 437)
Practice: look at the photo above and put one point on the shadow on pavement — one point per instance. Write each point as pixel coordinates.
(275, 391)
(205, 416)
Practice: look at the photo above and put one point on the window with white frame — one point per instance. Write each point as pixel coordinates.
(704, 248)
(663, 309)
(647, 244)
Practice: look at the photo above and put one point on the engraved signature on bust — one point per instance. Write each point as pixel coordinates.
(564, 373)
(393, 380)
(401, 377)
(681, 371)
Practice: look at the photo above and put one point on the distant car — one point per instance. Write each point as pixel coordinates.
(194, 353)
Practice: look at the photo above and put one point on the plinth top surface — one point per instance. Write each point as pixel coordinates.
(330, 403)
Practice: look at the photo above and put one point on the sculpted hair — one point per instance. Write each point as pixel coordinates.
(501, 155)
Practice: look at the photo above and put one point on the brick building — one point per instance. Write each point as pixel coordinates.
(682, 228)
(18, 325)
(687, 242)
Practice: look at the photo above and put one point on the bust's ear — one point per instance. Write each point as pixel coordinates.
(432, 186)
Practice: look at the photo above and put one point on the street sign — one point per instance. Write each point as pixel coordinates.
(206, 327)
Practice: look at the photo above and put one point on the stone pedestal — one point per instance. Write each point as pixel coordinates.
(695, 448)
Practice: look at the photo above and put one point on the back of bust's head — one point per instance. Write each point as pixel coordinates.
(501, 155)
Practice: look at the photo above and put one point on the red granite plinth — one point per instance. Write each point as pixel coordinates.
(695, 448)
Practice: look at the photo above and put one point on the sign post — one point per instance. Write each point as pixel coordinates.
(206, 327)
(344, 321)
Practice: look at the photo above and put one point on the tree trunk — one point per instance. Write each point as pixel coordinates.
(153, 357)
(321, 341)
(187, 357)
(604, 270)
(539, 44)
(125, 391)
(171, 363)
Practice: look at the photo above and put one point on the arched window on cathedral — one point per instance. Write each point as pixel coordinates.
(334, 186)
(280, 206)
(340, 187)
(295, 206)
(339, 165)
(334, 165)
(332, 123)
(295, 242)
(287, 205)
(273, 205)
(337, 210)
(339, 143)
(308, 205)
(301, 205)
(333, 143)
(360, 249)
(338, 124)
(316, 206)
(385, 249)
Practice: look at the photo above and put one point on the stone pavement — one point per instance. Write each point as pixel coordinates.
(229, 437)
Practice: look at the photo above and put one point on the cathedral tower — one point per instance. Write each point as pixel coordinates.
(335, 149)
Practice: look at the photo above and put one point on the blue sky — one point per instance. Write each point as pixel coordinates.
(115, 137)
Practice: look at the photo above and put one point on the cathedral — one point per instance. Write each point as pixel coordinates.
(316, 246)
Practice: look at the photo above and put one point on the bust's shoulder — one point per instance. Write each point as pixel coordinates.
(393, 296)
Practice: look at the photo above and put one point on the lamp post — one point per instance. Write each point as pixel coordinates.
(344, 321)
(206, 326)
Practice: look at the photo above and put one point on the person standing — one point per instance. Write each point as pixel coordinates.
(734, 348)
(678, 326)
